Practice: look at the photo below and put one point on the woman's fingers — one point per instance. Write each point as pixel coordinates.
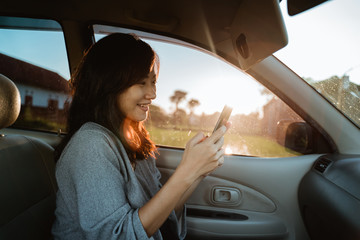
(219, 143)
(221, 161)
(196, 139)
(204, 154)
(219, 133)
(219, 154)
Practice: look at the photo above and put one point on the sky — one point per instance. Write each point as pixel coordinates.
(205, 78)
(322, 42)
(46, 50)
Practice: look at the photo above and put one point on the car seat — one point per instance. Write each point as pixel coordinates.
(27, 176)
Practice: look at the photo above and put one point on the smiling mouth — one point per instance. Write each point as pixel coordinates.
(144, 107)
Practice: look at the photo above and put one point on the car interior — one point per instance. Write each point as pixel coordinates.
(27, 176)
(309, 190)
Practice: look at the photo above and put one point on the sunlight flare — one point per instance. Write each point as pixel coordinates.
(228, 151)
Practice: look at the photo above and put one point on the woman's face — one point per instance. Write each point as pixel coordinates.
(135, 101)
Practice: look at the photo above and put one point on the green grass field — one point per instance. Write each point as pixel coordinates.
(239, 144)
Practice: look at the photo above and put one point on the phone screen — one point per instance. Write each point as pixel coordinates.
(224, 117)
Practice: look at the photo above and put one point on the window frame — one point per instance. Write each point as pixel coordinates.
(320, 135)
(43, 25)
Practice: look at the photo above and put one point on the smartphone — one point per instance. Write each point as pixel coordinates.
(224, 117)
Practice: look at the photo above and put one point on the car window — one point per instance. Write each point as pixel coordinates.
(33, 56)
(324, 50)
(194, 86)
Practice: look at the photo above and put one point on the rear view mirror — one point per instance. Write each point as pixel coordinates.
(299, 6)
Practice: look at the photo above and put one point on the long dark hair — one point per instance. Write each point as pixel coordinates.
(109, 67)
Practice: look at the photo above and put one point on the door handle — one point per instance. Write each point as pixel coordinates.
(226, 196)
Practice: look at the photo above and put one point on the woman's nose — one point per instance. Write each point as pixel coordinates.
(151, 92)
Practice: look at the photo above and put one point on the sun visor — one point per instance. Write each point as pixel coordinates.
(258, 30)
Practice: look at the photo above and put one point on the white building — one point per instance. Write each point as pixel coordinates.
(38, 87)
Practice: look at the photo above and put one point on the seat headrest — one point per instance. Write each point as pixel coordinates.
(10, 102)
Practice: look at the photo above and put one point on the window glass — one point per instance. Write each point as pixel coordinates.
(192, 89)
(324, 50)
(33, 56)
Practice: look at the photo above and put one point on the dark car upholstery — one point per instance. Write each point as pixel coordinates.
(27, 176)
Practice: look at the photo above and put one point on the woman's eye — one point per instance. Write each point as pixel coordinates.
(142, 83)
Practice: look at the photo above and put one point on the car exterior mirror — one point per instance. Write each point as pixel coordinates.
(295, 136)
(299, 137)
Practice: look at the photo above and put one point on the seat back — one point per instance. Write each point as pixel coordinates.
(27, 176)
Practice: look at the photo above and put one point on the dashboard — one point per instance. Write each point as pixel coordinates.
(329, 198)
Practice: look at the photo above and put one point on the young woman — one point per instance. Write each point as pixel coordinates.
(108, 182)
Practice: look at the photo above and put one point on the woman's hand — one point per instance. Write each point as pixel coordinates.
(204, 154)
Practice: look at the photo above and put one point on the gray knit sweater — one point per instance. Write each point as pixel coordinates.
(99, 194)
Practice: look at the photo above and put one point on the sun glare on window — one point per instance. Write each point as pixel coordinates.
(228, 151)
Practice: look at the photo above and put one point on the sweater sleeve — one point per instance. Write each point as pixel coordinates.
(93, 190)
(175, 226)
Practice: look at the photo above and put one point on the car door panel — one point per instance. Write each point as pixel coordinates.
(257, 226)
(267, 207)
(219, 192)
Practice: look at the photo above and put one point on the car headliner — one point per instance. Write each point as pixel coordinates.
(213, 24)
